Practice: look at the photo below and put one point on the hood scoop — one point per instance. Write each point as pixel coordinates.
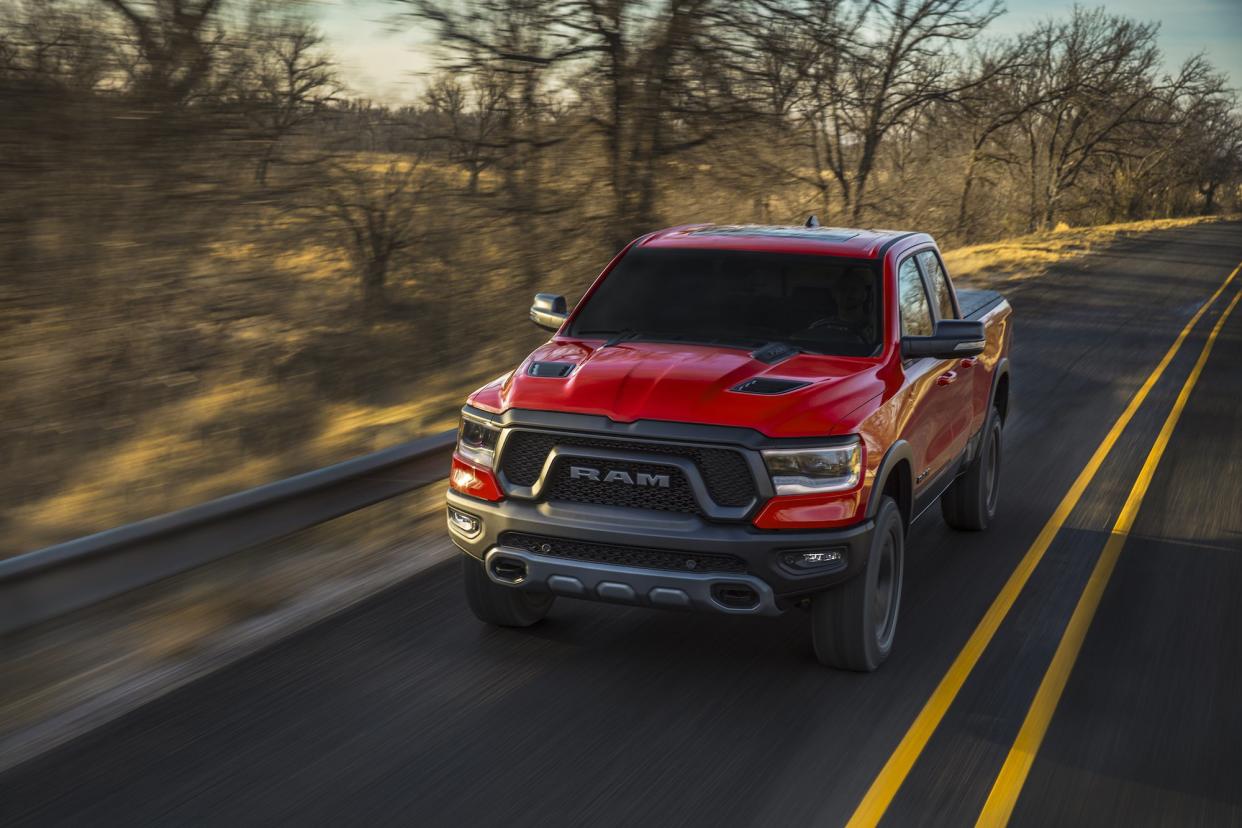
(768, 385)
(552, 370)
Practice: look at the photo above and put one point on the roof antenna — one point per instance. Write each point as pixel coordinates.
(812, 221)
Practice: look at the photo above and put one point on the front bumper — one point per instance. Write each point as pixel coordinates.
(767, 573)
(732, 593)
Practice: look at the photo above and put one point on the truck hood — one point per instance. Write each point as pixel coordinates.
(682, 382)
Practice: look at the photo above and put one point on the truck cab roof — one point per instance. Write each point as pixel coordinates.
(827, 241)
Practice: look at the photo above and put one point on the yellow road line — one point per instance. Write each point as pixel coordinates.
(1008, 785)
(878, 797)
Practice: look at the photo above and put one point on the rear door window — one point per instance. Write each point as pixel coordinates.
(939, 283)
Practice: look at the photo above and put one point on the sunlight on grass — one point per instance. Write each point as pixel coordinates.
(1026, 256)
(205, 447)
(197, 443)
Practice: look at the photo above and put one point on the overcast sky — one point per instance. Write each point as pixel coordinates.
(384, 65)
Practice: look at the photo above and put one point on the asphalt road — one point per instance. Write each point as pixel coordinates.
(406, 710)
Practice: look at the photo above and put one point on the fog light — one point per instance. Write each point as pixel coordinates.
(465, 523)
(810, 560)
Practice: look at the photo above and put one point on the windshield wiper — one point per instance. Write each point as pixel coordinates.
(629, 335)
(613, 337)
(621, 336)
(773, 352)
(769, 351)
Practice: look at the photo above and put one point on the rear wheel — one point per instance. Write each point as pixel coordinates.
(970, 503)
(501, 605)
(853, 624)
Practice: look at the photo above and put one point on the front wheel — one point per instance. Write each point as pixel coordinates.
(970, 502)
(853, 624)
(502, 606)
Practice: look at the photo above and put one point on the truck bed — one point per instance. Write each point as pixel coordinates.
(975, 303)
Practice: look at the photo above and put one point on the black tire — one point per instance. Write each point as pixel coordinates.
(853, 624)
(502, 606)
(970, 502)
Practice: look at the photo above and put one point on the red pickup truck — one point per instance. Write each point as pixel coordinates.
(741, 419)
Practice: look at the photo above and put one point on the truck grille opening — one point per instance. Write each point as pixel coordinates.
(677, 496)
(509, 570)
(639, 557)
(725, 471)
(735, 596)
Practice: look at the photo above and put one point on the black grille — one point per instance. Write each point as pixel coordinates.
(676, 497)
(725, 471)
(623, 555)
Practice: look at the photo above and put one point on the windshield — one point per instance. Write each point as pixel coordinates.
(821, 304)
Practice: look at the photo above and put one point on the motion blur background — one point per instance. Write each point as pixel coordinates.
(226, 258)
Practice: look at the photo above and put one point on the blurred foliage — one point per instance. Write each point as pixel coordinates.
(217, 267)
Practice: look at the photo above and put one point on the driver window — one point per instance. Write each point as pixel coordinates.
(940, 284)
(915, 312)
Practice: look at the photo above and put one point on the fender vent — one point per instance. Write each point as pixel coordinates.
(769, 385)
(554, 370)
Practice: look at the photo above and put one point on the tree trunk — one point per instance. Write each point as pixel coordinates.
(1032, 214)
(865, 164)
(261, 166)
(1051, 196)
(963, 205)
(375, 287)
(619, 106)
(857, 209)
(823, 184)
(1209, 198)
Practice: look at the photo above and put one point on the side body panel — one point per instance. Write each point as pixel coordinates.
(931, 425)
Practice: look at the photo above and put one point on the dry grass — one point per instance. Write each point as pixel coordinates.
(1028, 256)
(285, 391)
(167, 464)
(256, 368)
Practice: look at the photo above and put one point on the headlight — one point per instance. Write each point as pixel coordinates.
(476, 441)
(817, 470)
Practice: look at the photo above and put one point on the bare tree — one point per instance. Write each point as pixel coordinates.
(987, 114)
(379, 209)
(511, 48)
(174, 42)
(54, 43)
(661, 84)
(1103, 70)
(811, 38)
(892, 75)
(287, 81)
(866, 71)
(467, 118)
(1212, 150)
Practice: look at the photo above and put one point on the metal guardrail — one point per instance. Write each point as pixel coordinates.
(49, 582)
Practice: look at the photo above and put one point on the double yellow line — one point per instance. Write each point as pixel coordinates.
(1004, 793)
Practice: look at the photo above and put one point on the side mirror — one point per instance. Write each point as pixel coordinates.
(952, 339)
(549, 311)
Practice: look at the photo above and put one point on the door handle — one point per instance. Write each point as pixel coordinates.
(946, 378)
(968, 362)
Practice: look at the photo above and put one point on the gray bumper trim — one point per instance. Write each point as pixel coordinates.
(630, 585)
